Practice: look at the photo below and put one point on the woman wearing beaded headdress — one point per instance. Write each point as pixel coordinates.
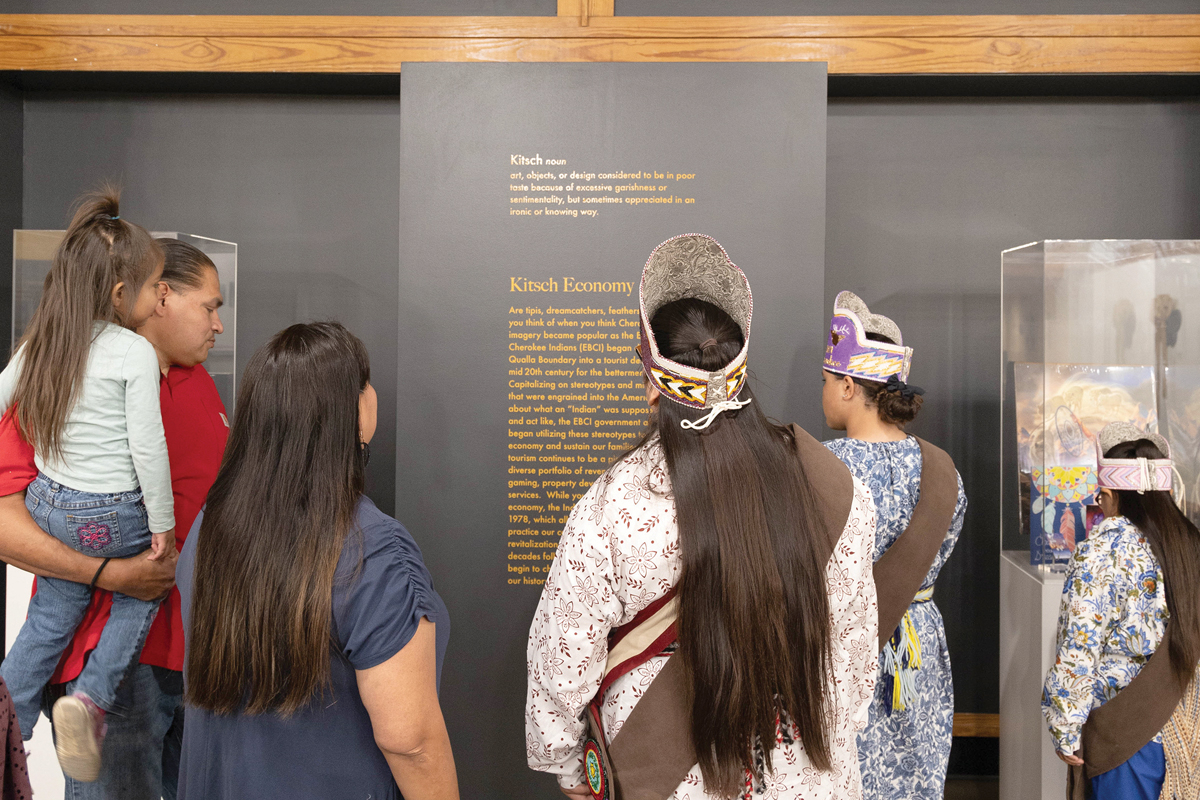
(707, 628)
(919, 502)
(1121, 701)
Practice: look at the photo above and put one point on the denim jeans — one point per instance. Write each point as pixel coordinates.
(145, 734)
(101, 525)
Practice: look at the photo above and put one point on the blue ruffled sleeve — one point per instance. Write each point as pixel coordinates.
(382, 589)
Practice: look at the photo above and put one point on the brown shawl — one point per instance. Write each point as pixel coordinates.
(652, 753)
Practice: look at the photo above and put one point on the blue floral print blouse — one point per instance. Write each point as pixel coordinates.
(1113, 618)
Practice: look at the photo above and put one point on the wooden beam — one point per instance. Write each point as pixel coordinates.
(979, 725)
(584, 10)
(339, 27)
(850, 45)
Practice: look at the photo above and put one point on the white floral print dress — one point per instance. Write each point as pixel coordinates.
(1113, 618)
(620, 552)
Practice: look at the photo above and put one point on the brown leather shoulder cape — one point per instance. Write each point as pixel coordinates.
(652, 753)
(900, 572)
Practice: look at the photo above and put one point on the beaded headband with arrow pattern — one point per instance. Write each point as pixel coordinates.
(694, 266)
(848, 351)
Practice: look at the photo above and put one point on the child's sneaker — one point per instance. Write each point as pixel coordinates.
(78, 733)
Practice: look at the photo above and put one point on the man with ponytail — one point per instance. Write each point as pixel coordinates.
(708, 626)
(1121, 699)
(919, 503)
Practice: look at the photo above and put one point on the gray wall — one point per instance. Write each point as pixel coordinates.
(922, 197)
(11, 139)
(11, 148)
(307, 187)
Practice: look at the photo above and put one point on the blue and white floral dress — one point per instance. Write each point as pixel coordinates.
(904, 753)
(1113, 618)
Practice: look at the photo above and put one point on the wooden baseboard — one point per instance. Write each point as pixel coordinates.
(981, 725)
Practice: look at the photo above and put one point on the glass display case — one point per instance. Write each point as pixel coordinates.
(33, 251)
(1092, 332)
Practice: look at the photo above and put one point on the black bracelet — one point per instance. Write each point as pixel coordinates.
(96, 577)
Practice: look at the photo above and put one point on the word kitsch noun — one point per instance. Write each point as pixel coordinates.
(518, 160)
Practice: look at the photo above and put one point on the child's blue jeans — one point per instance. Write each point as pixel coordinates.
(102, 525)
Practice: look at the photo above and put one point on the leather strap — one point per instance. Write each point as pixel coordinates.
(1115, 731)
(831, 482)
(652, 753)
(900, 572)
(1122, 726)
(653, 757)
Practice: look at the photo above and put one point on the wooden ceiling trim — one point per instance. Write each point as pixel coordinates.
(851, 45)
(339, 27)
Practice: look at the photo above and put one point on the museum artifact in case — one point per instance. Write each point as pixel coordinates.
(1092, 332)
(33, 251)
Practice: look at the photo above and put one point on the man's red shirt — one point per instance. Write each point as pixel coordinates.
(196, 428)
(17, 469)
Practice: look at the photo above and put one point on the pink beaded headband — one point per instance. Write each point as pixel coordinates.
(1133, 474)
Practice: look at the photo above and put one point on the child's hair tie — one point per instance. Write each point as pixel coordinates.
(906, 390)
(110, 216)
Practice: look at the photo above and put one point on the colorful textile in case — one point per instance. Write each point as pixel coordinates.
(849, 351)
(1060, 498)
(696, 266)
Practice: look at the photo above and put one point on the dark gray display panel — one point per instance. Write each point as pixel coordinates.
(531, 196)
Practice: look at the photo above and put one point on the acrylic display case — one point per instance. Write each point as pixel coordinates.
(1092, 332)
(33, 251)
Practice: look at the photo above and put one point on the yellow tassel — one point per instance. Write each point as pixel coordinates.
(904, 659)
(914, 643)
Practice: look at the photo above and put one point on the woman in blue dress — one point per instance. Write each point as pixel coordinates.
(314, 637)
(905, 748)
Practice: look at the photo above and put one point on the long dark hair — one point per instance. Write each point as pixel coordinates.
(98, 251)
(753, 614)
(1176, 543)
(275, 524)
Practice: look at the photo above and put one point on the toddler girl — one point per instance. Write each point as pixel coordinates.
(86, 390)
